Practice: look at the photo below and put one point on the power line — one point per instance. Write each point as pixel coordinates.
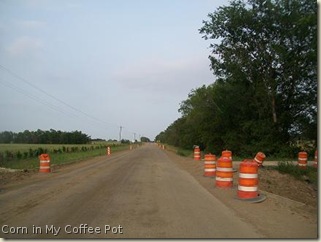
(53, 97)
(41, 101)
(48, 104)
(35, 98)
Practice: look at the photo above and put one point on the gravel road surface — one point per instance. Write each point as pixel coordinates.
(133, 194)
(142, 193)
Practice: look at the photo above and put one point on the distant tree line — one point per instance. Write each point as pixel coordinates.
(44, 137)
(144, 139)
(265, 94)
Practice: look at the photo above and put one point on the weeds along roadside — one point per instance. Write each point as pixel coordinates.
(25, 156)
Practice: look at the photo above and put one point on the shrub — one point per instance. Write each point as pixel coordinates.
(31, 153)
(25, 155)
(19, 155)
(8, 155)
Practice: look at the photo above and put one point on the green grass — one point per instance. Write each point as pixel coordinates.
(186, 153)
(49, 147)
(59, 154)
(310, 174)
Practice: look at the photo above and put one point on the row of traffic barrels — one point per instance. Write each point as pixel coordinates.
(161, 146)
(260, 157)
(222, 170)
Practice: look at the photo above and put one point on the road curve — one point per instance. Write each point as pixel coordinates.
(139, 193)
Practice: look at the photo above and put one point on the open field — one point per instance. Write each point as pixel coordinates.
(49, 147)
(25, 156)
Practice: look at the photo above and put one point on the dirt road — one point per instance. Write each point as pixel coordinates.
(142, 193)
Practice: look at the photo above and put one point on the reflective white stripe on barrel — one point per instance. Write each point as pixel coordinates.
(247, 189)
(208, 170)
(224, 169)
(304, 159)
(257, 160)
(247, 175)
(223, 179)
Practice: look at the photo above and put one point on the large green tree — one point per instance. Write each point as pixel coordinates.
(270, 47)
(264, 55)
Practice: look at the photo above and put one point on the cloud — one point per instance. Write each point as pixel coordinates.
(24, 45)
(170, 76)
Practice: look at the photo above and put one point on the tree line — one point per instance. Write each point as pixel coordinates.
(44, 137)
(264, 58)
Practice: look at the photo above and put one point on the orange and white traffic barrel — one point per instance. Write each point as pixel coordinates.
(224, 172)
(248, 179)
(227, 153)
(259, 158)
(247, 189)
(315, 163)
(302, 159)
(44, 163)
(197, 153)
(209, 165)
(108, 150)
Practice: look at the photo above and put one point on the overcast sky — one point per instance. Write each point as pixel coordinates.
(94, 66)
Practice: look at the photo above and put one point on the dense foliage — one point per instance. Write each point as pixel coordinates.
(44, 137)
(265, 96)
(144, 139)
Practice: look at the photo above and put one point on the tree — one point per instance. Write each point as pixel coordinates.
(265, 95)
(144, 139)
(270, 48)
(44, 137)
(6, 137)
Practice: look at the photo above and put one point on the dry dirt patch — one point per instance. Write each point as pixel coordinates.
(287, 186)
(289, 211)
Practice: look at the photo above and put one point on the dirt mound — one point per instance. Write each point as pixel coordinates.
(287, 186)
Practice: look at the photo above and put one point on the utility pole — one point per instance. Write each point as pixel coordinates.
(134, 137)
(120, 129)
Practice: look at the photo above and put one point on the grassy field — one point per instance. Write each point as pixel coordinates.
(50, 147)
(25, 156)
